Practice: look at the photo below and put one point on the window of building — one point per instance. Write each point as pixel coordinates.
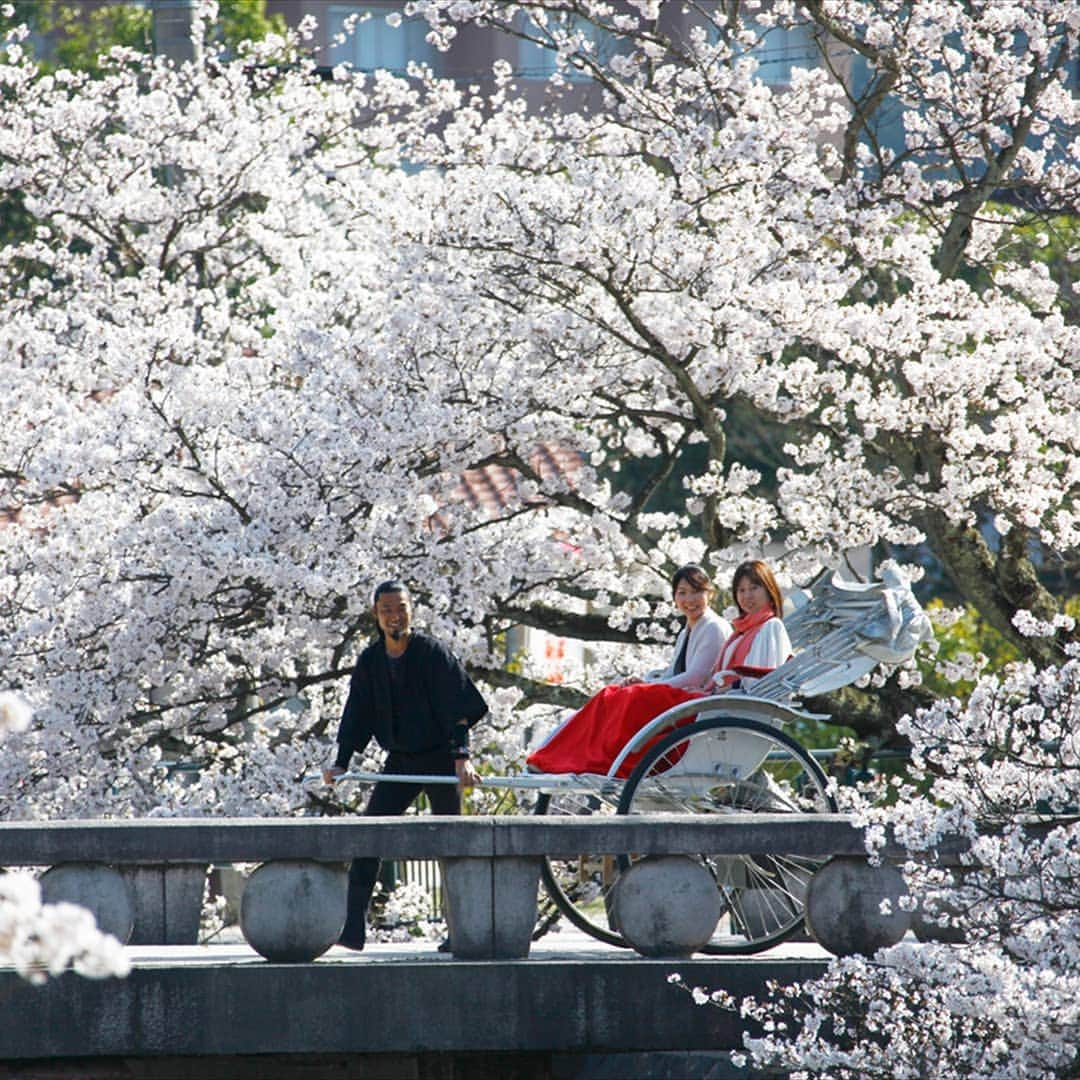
(536, 62)
(783, 48)
(375, 43)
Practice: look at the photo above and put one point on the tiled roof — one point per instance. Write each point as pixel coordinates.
(492, 488)
(496, 488)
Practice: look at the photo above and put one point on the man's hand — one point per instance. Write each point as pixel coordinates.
(329, 776)
(466, 773)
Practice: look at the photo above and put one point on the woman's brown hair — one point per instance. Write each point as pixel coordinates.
(758, 573)
(694, 576)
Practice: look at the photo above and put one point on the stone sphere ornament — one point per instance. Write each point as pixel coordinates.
(667, 906)
(292, 911)
(844, 906)
(98, 888)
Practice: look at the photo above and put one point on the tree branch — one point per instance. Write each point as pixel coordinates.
(536, 692)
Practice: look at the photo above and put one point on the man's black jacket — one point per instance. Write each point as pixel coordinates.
(438, 702)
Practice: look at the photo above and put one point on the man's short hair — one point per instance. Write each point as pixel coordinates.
(394, 585)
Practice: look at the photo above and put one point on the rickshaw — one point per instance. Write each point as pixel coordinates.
(729, 753)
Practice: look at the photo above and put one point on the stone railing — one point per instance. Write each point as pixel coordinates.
(144, 880)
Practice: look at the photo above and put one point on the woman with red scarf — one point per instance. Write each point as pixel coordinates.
(760, 642)
(590, 740)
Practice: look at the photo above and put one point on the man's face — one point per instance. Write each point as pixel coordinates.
(393, 613)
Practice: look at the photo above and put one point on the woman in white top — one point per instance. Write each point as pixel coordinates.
(700, 640)
(760, 642)
(590, 739)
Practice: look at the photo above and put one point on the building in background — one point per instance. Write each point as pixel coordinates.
(377, 44)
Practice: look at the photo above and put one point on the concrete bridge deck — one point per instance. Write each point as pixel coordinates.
(574, 1009)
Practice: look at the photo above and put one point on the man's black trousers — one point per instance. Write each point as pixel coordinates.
(390, 800)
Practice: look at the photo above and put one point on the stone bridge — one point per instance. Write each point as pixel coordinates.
(499, 1006)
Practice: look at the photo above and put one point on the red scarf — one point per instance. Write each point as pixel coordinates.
(746, 628)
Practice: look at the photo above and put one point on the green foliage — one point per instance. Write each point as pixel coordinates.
(1032, 237)
(971, 636)
(246, 20)
(1053, 242)
(74, 35)
(84, 40)
(1047, 240)
(70, 35)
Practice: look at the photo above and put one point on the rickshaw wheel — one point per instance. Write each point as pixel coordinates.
(579, 886)
(731, 766)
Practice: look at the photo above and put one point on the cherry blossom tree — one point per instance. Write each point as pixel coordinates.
(258, 324)
(895, 401)
(896, 426)
(216, 449)
(992, 988)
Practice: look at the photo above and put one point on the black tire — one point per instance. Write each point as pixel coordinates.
(706, 768)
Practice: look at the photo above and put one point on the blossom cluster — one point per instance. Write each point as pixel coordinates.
(992, 987)
(39, 940)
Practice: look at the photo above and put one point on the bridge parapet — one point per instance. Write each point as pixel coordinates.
(294, 911)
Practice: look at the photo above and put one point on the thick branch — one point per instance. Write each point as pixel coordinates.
(569, 624)
(997, 586)
(536, 692)
(871, 714)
